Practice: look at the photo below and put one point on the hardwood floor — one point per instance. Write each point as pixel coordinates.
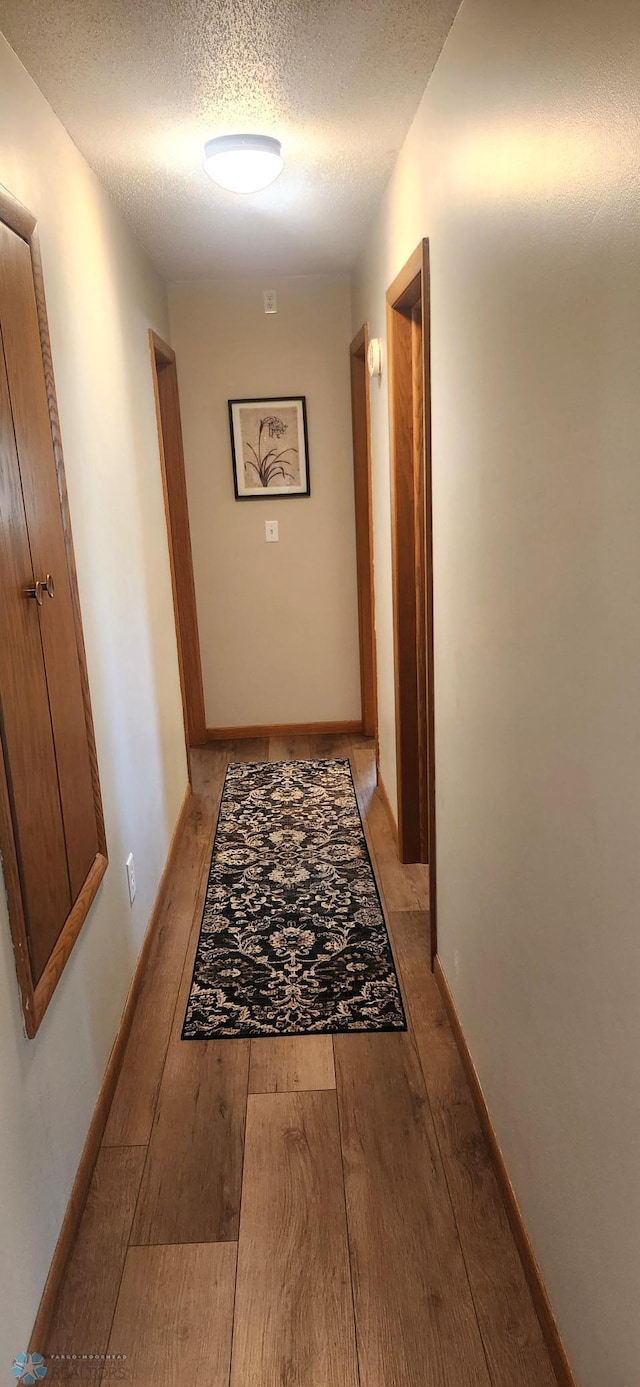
(85, 1307)
(413, 1305)
(292, 1063)
(294, 1310)
(174, 1315)
(299, 1212)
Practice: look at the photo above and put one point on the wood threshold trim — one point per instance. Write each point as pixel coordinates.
(84, 1173)
(539, 1295)
(284, 729)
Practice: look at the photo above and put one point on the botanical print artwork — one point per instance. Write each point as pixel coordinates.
(269, 447)
(293, 939)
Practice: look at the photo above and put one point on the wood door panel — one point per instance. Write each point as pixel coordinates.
(52, 839)
(25, 718)
(25, 375)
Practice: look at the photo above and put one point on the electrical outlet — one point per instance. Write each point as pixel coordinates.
(271, 531)
(131, 877)
(270, 301)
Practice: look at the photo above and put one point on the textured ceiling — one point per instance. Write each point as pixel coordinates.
(141, 84)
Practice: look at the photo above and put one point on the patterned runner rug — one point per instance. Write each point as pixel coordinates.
(293, 939)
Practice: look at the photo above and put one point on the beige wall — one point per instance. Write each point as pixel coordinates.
(102, 297)
(522, 168)
(278, 622)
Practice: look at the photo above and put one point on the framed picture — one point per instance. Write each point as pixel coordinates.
(270, 449)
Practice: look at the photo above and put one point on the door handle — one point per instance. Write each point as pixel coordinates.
(36, 592)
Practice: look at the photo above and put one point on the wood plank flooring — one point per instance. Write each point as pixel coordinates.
(299, 1212)
(291, 1063)
(413, 1304)
(293, 1319)
(174, 1315)
(85, 1306)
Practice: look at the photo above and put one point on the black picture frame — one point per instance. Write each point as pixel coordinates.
(276, 465)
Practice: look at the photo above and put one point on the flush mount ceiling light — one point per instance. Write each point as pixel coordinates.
(243, 163)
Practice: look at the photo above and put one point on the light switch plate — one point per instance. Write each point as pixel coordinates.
(271, 531)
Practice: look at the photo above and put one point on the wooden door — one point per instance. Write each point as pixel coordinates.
(165, 384)
(410, 432)
(25, 717)
(51, 828)
(364, 529)
(21, 337)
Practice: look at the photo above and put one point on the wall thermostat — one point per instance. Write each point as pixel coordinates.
(374, 357)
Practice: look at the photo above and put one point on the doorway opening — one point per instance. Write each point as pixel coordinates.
(410, 433)
(165, 385)
(361, 427)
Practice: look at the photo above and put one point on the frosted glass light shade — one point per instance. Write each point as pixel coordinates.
(243, 163)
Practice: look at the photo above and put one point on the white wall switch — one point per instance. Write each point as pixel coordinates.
(271, 531)
(131, 877)
(270, 301)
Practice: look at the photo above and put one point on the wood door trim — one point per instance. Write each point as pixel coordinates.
(405, 293)
(16, 216)
(47, 984)
(382, 791)
(163, 351)
(429, 633)
(360, 342)
(180, 557)
(410, 290)
(399, 292)
(35, 1000)
(364, 560)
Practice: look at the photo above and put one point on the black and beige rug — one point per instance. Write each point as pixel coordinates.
(293, 939)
